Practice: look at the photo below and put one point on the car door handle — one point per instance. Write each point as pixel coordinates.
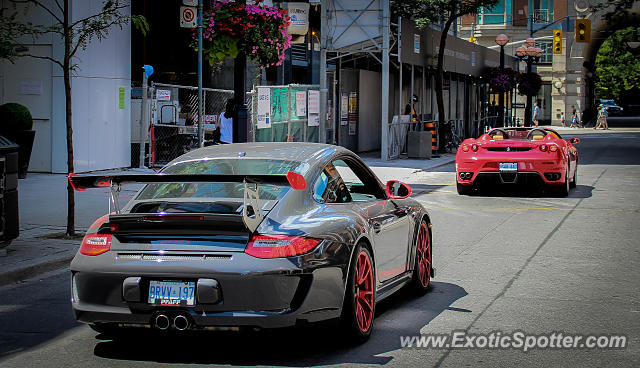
(376, 227)
(401, 212)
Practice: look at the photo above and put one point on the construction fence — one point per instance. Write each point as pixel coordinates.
(288, 113)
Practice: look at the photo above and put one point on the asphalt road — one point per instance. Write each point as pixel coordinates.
(505, 261)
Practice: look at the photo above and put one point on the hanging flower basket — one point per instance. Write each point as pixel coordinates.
(501, 81)
(529, 84)
(259, 31)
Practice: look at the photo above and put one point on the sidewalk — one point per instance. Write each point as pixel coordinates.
(43, 214)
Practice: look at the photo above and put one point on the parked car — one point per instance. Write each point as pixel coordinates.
(509, 155)
(232, 235)
(611, 106)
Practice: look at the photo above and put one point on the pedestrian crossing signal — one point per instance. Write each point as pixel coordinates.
(557, 42)
(583, 30)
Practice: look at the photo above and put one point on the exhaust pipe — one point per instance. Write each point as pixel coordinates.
(162, 322)
(181, 322)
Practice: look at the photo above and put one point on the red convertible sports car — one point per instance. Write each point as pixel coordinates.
(518, 156)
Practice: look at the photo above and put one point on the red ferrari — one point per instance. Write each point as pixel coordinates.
(522, 155)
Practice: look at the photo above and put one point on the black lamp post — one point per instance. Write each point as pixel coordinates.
(501, 40)
(529, 54)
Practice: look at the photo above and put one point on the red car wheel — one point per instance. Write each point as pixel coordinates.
(358, 310)
(422, 268)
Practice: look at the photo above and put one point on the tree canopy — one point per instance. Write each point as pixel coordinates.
(617, 68)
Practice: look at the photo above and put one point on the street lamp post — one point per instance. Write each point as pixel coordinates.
(501, 40)
(240, 116)
(529, 54)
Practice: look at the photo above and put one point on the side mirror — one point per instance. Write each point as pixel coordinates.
(574, 140)
(397, 190)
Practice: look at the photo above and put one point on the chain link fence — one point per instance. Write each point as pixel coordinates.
(173, 128)
(288, 113)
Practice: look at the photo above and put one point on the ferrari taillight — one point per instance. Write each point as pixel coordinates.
(474, 147)
(94, 244)
(278, 246)
(543, 147)
(553, 148)
(465, 148)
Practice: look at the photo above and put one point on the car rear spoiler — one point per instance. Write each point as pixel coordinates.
(81, 182)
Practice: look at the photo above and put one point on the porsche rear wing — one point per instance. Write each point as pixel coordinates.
(81, 182)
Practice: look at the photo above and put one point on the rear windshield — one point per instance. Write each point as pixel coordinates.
(200, 191)
(522, 133)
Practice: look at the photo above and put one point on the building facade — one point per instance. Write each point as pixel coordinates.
(521, 19)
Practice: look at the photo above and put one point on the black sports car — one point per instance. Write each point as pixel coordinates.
(257, 234)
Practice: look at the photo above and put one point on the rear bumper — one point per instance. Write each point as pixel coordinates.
(547, 171)
(253, 292)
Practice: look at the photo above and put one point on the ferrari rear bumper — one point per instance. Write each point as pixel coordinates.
(529, 171)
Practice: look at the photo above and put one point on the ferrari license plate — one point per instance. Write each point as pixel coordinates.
(508, 166)
(172, 292)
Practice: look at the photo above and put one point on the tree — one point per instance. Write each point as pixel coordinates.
(76, 34)
(424, 12)
(617, 68)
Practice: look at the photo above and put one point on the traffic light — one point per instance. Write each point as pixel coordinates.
(557, 42)
(583, 30)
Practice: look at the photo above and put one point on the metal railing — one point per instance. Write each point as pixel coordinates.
(541, 16)
(399, 129)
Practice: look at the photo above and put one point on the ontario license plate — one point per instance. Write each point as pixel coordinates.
(508, 166)
(172, 292)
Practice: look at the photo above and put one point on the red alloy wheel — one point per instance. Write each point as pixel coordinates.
(364, 291)
(424, 255)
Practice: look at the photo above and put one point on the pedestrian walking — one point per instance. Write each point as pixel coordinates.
(574, 120)
(536, 113)
(563, 120)
(602, 118)
(225, 123)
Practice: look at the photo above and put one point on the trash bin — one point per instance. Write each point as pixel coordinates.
(419, 145)
(9, 221)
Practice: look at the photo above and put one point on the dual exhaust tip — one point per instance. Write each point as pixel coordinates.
(466, 175)
(179, 322)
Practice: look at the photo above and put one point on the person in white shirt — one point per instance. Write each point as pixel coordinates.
(225, 123)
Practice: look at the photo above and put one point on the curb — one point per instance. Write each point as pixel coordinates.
(440, 165)
(28, 272)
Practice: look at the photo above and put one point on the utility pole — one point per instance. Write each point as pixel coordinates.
(384, 118)
(322, 134)
(200, 104)
(240, 128)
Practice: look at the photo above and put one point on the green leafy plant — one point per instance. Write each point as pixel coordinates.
(14, 117)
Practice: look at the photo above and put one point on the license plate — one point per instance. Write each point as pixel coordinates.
(508, 166)
(172, 292)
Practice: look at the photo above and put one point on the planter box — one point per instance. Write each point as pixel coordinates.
(419, 145)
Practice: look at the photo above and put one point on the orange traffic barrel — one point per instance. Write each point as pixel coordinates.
(431, 127)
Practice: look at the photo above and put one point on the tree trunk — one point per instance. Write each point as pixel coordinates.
(67, 94)
(442, 129)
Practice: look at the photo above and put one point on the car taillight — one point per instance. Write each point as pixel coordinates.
(474, 147)
(553, 148)
(94, 244)
(543, 148)
(277, 246)
(465, 148)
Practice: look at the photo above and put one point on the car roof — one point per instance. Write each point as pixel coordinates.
(289, 151)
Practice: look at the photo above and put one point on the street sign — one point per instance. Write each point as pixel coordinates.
(188, 16)
(190, 2)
